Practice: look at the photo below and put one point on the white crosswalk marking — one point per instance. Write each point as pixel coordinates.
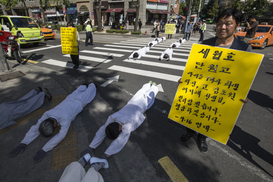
(102, 53)
(54, 62)
(149, 63)
(157, 57)
(111, 49)
(94, 59)
(140, 46)
(140, 72)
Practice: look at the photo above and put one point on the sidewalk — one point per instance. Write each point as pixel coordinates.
(81, 132)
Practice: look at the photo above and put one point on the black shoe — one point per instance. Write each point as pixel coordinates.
(202, 145)
(38, 89)
(185, 137)
(76, 67)
(47, 94)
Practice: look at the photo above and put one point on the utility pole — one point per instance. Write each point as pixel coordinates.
(199, 10)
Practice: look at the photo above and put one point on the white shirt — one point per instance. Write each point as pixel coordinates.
(153, 43)
(168, 51)
(130, 117)
(64, 113)
(141, 52)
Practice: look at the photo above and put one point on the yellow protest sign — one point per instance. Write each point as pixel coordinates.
(213, 82)
(169, 28)
(69, 40)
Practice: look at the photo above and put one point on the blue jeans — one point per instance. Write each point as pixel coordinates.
(188, 35)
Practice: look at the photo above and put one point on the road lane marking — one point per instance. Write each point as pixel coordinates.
(45, 48)
(173, 59)
(103, 53)
(270, 58)
(170, 168)
(66, 65)
(157, 64)
(111, 49)
(141, 72)
(31, 61)
(88, 58)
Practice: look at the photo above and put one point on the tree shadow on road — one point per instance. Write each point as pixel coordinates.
(249, 144)
(261, 99)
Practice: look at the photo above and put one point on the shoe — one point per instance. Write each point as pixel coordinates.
(38, 89)
(47, 94)
(185, 137)
(95, 160)
(76, 67)
(86, 157)
(202, 145)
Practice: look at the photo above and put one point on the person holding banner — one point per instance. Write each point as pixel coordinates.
(75, 58)
(227, 23)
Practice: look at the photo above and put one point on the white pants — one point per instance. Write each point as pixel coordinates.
(74, 172)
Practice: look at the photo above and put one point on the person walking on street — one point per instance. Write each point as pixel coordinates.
(88, 30)
(157, 30)
(188, 31)
(252, 27)
(139, 25)
(227, 23)
(202, 30)
(155, 26)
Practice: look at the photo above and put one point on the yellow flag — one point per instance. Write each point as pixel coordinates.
(213, 82)
(69, 40)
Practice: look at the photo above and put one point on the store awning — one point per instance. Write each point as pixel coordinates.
(131, 11)
(72, 12)
(114, 10)
(157, 11)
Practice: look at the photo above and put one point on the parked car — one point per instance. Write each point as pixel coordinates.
(30, 30)
(262, 38)
(47, 33)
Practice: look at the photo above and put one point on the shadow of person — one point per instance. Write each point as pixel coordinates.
(261, 99)
(246, 145)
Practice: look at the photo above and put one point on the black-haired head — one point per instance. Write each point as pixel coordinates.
(46, 127)
(135, 55)
(112, 130)
(70, 24)
(150, 44)
(235, 13)
(174, 46)
(166, 56)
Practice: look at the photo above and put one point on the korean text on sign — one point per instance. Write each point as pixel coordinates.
(169, 28)
(69, 40)
(213, 82)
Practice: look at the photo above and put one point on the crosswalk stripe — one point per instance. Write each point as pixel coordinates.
(157, 64)
(111, 49)
(102, 53)
(88, 58)
(45, 48)
(140, 46)
(183, 46)
(141, 72)
(173, 59)
(66, 65)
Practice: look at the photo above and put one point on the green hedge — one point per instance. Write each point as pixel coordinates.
(137, 32)
(117, 31)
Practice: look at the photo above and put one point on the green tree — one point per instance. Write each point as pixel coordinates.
(98, 13)
(182, 7)
(214, 9)
(9, 4)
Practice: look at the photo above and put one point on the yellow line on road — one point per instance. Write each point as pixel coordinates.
(171, 169)
(35, 62)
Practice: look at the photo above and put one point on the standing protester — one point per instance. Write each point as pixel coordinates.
(202, 30)
(75, 58)
(139, 25)
(227, 23)
(88, 30)
(157, 30)
(252, 27)
(188, 31)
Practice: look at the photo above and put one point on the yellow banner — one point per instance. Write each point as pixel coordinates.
(69, 40)
(213, 82)
(169, 28)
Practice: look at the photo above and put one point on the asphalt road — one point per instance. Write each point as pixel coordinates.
(248, 156)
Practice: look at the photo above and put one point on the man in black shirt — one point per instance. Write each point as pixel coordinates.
(252, 27)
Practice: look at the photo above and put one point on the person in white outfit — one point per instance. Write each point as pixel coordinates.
(75, 171)
(167, 54)
(139, 53)
(10, 111)
(152, 44)
(182, 41)
(61, 115)
(119, 125)
(175, 45)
